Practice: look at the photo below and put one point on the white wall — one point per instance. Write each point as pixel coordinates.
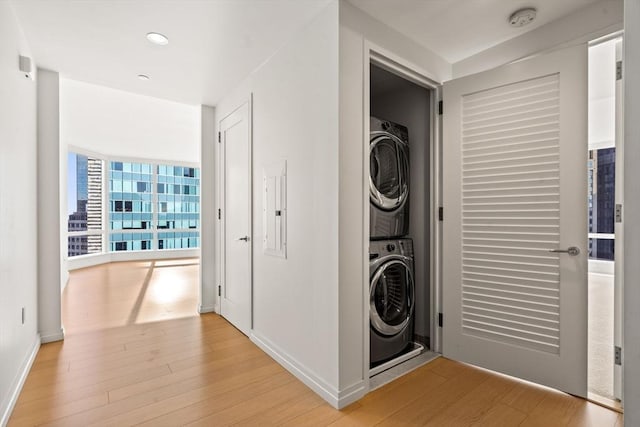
(49, 232)
(631, 213)
(208, 217)
(295, 117)
(18, 208)
(356, 29)
(118, 123)
(592, 21)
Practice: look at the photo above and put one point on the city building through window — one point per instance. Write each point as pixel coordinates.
(133, 212)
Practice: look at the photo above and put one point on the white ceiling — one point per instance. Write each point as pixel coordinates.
(457, 29)
(213, 44)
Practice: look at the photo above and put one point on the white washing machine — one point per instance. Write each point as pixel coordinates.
(388, 179)
(391, 298)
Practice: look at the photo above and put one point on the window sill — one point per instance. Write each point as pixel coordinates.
(83, 261)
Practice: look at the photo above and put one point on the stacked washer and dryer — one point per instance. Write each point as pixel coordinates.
(391, 262)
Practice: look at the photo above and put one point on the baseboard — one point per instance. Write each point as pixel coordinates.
(351, 394)
(16, 387)
(206, 309)
(52, 336)
(324, 390)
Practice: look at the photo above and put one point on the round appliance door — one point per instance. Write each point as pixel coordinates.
(391, 296)
(388, 170)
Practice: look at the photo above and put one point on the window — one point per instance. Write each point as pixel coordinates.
(601, 203)
(84, 204)
(142, 187)
(179, 206)
(130, 241)
(178, 240)
(174, 206)
(142, 198)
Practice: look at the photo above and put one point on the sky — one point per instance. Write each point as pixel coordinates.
(72, 194)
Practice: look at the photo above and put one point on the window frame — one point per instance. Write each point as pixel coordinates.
(106, 230)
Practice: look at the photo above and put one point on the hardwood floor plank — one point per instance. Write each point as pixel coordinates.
(285, 411)
(473, 407)
(376, 406)
(52, 396)
(555, 409)
(501, 415)
(593, 415)
(422, 411)
(200, 375)
(167, 398)
(258, 405)
(38, 412)
(322, 415)
(525, 396)
(189, 407)
(132, 357)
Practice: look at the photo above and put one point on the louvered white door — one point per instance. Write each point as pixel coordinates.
(514, 156)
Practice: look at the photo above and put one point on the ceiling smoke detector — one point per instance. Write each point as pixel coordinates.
(522, 17)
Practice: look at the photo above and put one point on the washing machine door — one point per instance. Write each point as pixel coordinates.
(388, 170)
(392, 296)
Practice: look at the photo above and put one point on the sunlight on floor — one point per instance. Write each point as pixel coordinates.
(124, 293)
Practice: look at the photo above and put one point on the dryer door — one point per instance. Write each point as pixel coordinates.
(392, 296)
(389, 169)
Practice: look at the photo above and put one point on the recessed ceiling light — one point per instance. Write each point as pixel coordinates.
(158, 38)
(143, 77)
(522, 17)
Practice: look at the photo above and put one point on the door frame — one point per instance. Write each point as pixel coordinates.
(220, 202)
(618, 309)
(617, 270)
(374, 54)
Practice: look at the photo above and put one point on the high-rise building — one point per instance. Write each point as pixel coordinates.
(605, 203)
(81, 183)
(77, 245)
(94, 203)
(601, 202)
(130, 206)
(178, 191)
(88, 214)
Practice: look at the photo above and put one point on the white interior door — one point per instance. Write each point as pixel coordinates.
(235, 179)
(618, 289)
(514, 156)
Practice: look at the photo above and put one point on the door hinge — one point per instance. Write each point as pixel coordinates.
(618, 212)
(219, 137)
(219, 214)
(619, 70)
(440, 108)
(219, 290)
(440, 213)
(440, 320)
(617, 355)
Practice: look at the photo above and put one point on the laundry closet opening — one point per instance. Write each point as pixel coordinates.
(400, 220)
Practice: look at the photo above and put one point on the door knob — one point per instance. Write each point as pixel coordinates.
(245, 238)
(571, 250)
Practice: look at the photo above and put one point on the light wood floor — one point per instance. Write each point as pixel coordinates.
(136, 353)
